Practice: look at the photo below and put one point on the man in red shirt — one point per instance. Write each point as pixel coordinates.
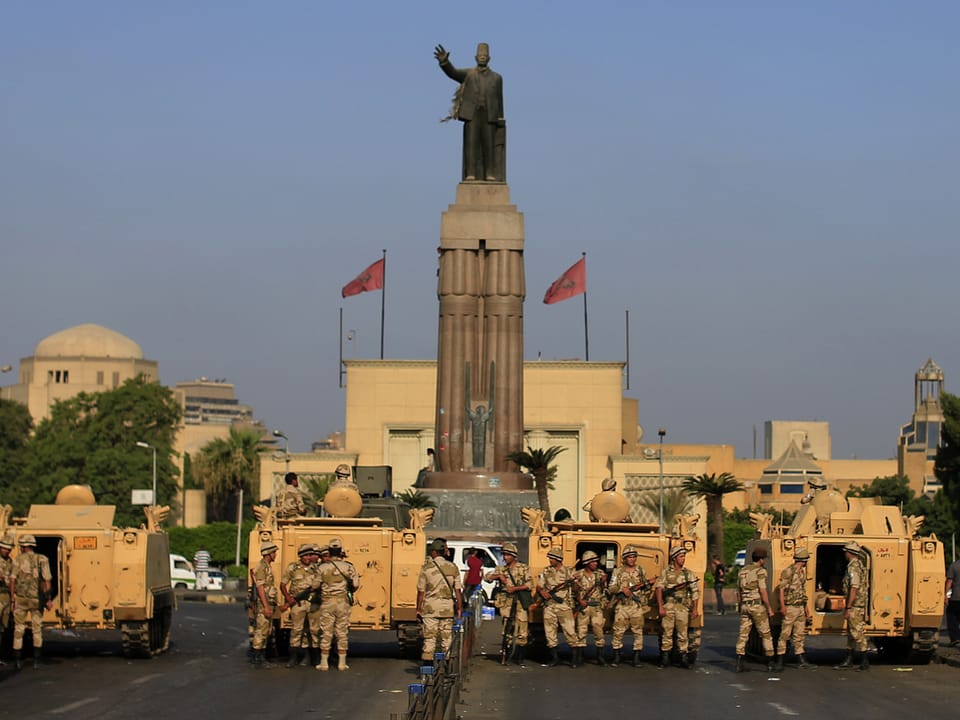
(473, 575)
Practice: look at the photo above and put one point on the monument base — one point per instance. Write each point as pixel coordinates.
(480, 480)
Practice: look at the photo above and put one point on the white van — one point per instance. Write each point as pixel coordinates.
(182, 575)
(492, 555)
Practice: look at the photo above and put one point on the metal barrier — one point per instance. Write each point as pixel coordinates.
(437, 693)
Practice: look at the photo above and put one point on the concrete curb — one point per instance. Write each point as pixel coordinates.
(215, 597)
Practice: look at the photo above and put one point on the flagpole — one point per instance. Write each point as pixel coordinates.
(340, 378)
(383, 297)
(628, 348)
(586, 335)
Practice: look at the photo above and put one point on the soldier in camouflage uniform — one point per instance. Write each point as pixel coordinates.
(755, 608)
(297, 583)
(556, 596)
(794, 604)
(338, 581)
(677, 598)
(514, 596)
(265, 603)
(6, 566)
(290, 503)
(439, 600)
(590, 591)
(29, 575)
(631, 601)
(856, 588)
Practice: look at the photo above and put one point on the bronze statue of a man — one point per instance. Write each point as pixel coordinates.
(478, 103)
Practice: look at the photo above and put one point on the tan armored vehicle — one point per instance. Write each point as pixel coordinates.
(906, 571)
(104, 577)
(607, 534)
(388, 548)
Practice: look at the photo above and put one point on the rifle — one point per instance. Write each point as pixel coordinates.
(671, 591)
(645, 585)
(508, 639)
(311, 593)
(41, 593)
(552, 592)
(602, 581)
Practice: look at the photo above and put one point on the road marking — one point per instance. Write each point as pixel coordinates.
(740, 687)
(145, 678)
(195, 618)
(782, 709)
(73, 706)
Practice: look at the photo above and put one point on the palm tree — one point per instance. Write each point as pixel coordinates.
(537, 463)
(712, 488)
(228, 466)
(676, 501)
(416, 499)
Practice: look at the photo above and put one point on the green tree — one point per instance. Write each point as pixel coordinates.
(226, 466)
(538, 463)
(91, 439)
(676, 501)
(947, 462)
(15, 427)
(416, 499)
(891, 489)
(712, 488)
(895, 490)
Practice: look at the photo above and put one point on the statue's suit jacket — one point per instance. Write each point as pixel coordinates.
(478, 88)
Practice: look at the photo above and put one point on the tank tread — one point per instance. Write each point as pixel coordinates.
(923, 647)
(146, 638)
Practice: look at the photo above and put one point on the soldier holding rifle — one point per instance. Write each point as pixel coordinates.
(631, 592)
(556, 595)
(513, 601)
(296, 586)
(677, 597)
(590, 591)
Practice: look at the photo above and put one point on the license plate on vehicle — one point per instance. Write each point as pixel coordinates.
(85, 542)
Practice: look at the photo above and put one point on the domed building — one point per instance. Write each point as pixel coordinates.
(85, 358)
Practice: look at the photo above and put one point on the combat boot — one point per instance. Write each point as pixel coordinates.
(740, 668)
(256, 659)
(802, 662)
(313, 658)
(847, 662)
(601, 659)
(17, 661)
(778, 663)
(692, 658)
(615, 658)
(324, 663)
(577, 658)
(295, 655)
(864, 662)
(771, 664)
(265, 662)
(37, 652)
(554, 657)
(636, 658)
(342, 662)
(664, 659)
(520, 655)
(684, 661)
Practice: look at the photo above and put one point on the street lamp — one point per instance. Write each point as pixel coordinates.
(142, 444)
(286, 448)
(661, 432)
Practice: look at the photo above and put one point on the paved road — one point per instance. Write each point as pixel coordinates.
(205, 674)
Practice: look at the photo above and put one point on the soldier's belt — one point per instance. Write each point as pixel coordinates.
(751, 602)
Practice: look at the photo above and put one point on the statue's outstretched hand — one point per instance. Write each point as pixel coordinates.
(440, 54)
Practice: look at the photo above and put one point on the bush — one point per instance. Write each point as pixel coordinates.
(219, 538)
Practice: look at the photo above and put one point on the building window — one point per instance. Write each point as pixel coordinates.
(791, 489)
(116, 379)
(766, 488)
(99, 377)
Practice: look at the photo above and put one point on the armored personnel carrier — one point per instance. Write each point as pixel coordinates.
(906, 571)
(387, 549)
(607, 534)
(104, 577)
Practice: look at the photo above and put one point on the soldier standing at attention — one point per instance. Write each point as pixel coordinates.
(555, 592)
(338, 581)
(755, 608)
(590, 590)
(6, 566)
(856, 587)
(439, 599)
(290, 503)
(265, 601)
(514, 596)
(296, 583)
(794, 604)
(677, 597)
(29, 577)
(628, 586)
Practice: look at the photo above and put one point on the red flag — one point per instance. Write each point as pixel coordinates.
(572, 282)
(369, 279)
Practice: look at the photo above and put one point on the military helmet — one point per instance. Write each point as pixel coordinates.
(323, 549)
(336, 544)
(268, 548)
(27, 540)
(853, 547)
(801, 554)
(588, 557)
(439, 545)
(6, 544)
(555, 554)
(608, 484)
(510, 548)
(677, 552)
(343, 470)
(306, 549)
(629, 551)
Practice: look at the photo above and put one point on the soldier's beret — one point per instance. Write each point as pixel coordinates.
(801, 554)
(510, 549)
(677, 551)
(555, 554)
(268, 548)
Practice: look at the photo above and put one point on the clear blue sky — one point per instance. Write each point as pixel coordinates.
(771, 190)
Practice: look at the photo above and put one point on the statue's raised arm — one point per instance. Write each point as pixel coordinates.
(478, 104)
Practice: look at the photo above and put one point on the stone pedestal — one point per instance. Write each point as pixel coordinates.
(481, 289)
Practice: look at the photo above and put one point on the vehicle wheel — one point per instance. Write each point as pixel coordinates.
(180, 586)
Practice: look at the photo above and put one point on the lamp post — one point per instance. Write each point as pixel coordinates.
(142, 444)
(661, 432)
(286, 449)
